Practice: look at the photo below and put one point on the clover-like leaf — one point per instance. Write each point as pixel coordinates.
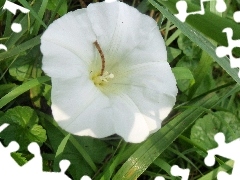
(23, 127)
(202, 133)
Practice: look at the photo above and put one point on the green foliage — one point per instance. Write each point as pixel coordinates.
(203, 131)
(52, 5)
(23, 128)
(208, 100)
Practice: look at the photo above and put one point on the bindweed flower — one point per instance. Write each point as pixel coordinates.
(109, 71)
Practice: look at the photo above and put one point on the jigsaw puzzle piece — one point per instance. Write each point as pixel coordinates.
(177, 171)
(182, 9)
(236, 16)
(159, 178)
(221, 6)
(227, 150)
(5, 125)
(222, 51)
(7, 163)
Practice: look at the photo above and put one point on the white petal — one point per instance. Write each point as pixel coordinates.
(156, 76)
(152, 87)
(151, 49)
(58, 62)
(154, 106)
(119, 28)
(128, 120)
(73, 32)
(80, 108)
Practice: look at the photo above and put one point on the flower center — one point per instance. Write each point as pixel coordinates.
(101, 80)
(104, 76)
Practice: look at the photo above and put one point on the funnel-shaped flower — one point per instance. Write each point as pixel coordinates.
(109, 70)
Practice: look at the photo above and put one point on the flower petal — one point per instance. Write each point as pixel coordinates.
(119, 28)
(128, 120)
(150, 49)
(152, 87)
(155, 75)
(74, 33)
(81, 111)
(58, 62)
(154, 106)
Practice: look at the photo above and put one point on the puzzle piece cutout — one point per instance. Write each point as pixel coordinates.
(236, 16)
(227, 150)
(177, 171)
(222, 51)
(33, 168)
(16, 27)
(182, 9)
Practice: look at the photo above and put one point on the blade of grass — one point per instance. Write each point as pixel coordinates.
(213, 174)
(55, 12)
(203, 23)
(20, 48)
(40, 15)
(60, 150)
(72, 139)
(158, 142)
(200, 40)
(21, 89)
(32, 12)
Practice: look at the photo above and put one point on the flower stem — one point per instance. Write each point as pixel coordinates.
(102, 56)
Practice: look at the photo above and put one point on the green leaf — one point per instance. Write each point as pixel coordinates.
(203, 76)
(23, 67)
(19, 158)
(204, 23)
(32, 12)
(190, 49)
(172, 53)
(182, 73)
(52, 5)
(81, 151)
(21, 89)
(184, 78)
(197, 37)
(5, 88)
(20, 48)
(23, 127)
(203, 131)
(148, 151)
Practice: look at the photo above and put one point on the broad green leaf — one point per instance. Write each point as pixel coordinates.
(184, 78)
(190, 49)
(203, 131)
(182, 73)
(19, 158)
(197, 36)
(172, 53)
(23, 127)
(203, 76)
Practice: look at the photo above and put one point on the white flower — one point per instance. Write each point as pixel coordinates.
(109, 70)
